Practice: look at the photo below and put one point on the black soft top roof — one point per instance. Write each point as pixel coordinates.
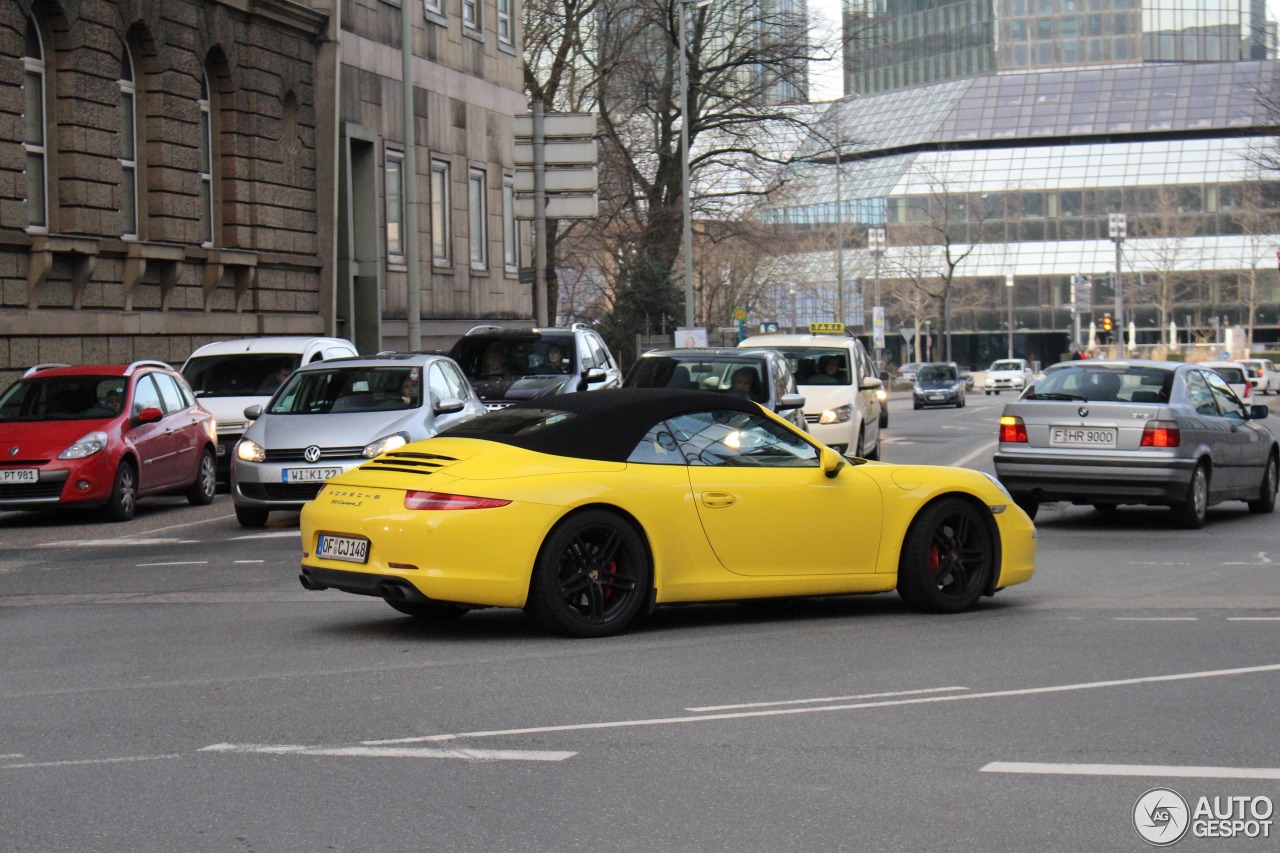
(606, 425)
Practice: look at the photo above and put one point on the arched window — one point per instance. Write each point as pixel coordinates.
(128, 146)
(206, 162)
(34, 132)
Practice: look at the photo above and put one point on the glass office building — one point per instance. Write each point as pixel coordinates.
(996, 149)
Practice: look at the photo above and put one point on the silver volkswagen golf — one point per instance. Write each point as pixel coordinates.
(1136, 432)
(331, 416)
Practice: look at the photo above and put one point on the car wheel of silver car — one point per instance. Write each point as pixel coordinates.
(1266, 502)
(252, 517)
(947, 558)
(206, 484)
(123, 502)
(430, 611)
(1191, 512)
(591, 578)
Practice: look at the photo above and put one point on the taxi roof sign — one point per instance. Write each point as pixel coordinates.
(826, 328)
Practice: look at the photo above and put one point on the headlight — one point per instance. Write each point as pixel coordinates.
(382, 445)
(86, 445)
(882, 395)
(837, 415)
(999, 485)
(251, 451)
(917, 390)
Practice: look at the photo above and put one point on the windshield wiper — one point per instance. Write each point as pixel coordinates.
(1055, 396)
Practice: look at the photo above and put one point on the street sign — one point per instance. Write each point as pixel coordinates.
(877, 325)
(740, 314)
(768, 328)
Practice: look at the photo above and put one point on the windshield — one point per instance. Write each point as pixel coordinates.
(63, 398)
(818, 365)
(740, 377)
(483, 356)
(936, 373)
(1007, 365)
(241, 374)
(349, 389)
(1079, 381)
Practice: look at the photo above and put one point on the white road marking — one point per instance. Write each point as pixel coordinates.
(777, 712)
(1155, 618)
(400, 752)
(10, 756)
(275, 534)
(827, 699)
(245, 562)
(175, 563)
(989, 447)
(102, 543)
(87, 761)
(1132, 770)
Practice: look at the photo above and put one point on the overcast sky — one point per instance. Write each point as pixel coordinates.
(824, 77)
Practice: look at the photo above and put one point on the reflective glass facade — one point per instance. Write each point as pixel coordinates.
(904, 43)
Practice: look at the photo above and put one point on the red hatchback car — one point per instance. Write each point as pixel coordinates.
(103, 435)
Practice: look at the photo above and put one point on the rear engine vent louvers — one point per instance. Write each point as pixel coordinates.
(409, 462)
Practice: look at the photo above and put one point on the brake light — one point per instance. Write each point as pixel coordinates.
(1012, 429)
(1247, 383)
(1161, 434)
(439, 500)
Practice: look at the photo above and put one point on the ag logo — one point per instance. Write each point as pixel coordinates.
(1161, 816)
(311, 454)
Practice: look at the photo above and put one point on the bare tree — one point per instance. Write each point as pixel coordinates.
(1163, 246)
(1257, 217)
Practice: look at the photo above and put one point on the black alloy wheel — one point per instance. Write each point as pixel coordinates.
(591, 578)
(1266, 501)
(947, 558)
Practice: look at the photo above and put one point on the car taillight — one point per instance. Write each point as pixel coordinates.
(439, 500)
(1246, 388)
(1013, 429)
(1161, 434)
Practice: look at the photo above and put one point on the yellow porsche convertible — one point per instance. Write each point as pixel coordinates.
(588, 510)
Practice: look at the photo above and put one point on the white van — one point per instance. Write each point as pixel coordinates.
(845, 402)
(228, 376)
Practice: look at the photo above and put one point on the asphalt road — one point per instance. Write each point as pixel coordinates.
(167, 685)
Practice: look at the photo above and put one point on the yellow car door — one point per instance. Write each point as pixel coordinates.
(765, 504)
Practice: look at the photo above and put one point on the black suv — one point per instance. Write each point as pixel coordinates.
(511, 365)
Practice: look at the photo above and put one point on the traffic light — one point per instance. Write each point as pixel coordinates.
(1106, 322)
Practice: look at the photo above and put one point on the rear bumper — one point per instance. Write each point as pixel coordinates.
(1163, 481)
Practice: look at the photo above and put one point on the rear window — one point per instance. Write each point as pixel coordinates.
(1109, 383)
(1230, 375)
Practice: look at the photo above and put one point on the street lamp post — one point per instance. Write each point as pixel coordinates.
(876, 244)
(1117, 228)
(1008, 286)
(835, 147)
(684, 161)
(795, 320)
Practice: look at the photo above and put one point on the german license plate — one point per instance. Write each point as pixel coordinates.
(308, 475)
(348, 548)
(20, 475)
(1070, 436)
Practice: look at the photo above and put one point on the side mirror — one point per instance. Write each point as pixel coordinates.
(252, 413)
(1258, 413)
(590, 375)
(790, 401)
(870, 384)
(884, 376)
(831, 461)
(448, 405)
(151, 414)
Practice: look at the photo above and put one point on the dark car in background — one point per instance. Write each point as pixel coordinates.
(771, 382)
(1136, 432)
(512, 365)
(938, 384)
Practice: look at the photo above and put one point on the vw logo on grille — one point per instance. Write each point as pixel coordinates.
(1082, 412)
(311, 454)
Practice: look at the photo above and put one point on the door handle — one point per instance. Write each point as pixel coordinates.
(717, 500)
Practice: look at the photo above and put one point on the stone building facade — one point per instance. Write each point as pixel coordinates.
(180, 172)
